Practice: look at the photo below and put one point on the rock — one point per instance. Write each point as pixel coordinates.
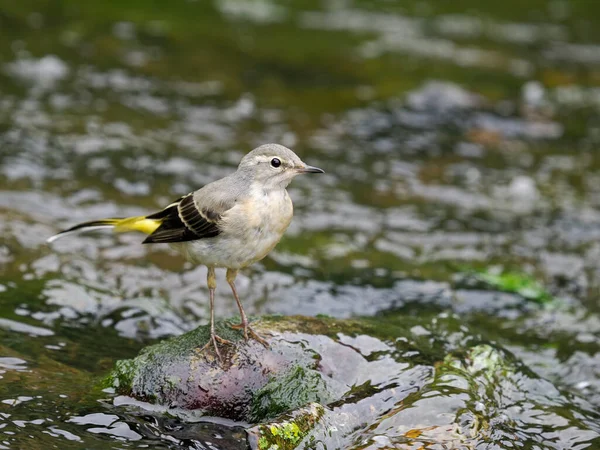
(252, 384)
(396, 381)
(288, 431)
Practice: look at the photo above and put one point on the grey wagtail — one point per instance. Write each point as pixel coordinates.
(231, 223)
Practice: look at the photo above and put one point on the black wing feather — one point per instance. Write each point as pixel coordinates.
(182, 222)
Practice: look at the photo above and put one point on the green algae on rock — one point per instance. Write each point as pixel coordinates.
(295, 388)
(522, 284)
(515, 282)
(288, 432)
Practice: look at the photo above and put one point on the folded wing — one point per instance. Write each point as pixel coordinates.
(184, 221)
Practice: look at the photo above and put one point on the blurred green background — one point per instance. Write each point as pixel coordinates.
(460, 141)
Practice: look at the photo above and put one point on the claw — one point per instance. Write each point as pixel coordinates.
(243, 325)
(250, 333)
(215, 340)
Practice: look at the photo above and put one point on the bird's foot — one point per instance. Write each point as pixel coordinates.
(215, 340)
(250, 333)
(241, 326)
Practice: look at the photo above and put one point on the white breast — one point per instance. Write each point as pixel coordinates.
(250, 230)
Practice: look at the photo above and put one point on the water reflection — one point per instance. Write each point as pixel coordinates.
(110, 424)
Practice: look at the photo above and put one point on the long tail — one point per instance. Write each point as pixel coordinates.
(140, 223)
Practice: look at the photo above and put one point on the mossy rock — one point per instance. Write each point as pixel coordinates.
(288, 432)
(252, 383)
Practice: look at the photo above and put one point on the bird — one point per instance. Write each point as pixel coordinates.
(229, 223)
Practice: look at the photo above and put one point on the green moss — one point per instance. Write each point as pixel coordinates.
(191, 340)
(263, 443)
(299, 387)
(290, 431)
(518, 283)
(125, 372)
(332, 327)
(122, 376)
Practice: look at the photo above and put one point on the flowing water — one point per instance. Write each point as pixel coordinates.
(458, 138)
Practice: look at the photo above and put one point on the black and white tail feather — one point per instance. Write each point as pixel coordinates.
(181, 221)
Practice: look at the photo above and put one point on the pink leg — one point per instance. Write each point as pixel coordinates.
(244, 325)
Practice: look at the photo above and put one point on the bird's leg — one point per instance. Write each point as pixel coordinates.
(248, 331)
(231, 275)
(214, 338)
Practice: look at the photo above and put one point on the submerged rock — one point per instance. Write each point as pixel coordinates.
(383, 382)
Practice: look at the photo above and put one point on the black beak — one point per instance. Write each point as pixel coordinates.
(309, 169)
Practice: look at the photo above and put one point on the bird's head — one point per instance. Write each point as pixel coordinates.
(274, 166)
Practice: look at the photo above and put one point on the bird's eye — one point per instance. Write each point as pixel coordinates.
(275, 162)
